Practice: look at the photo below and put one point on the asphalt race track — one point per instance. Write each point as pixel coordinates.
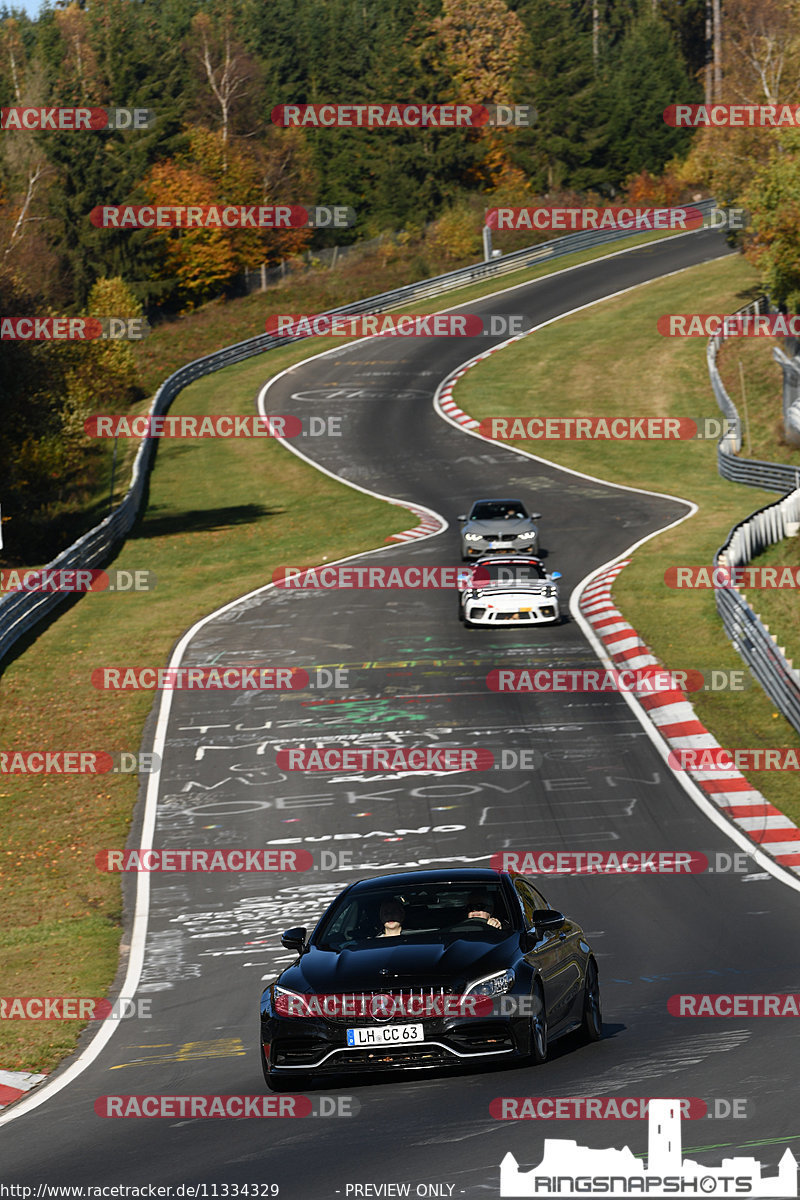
(417, 677)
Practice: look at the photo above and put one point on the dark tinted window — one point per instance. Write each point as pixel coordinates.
(493, 510)
(430, 913)
(528, 572)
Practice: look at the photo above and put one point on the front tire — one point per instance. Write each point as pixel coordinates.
(592, 1023)
(538, 1028)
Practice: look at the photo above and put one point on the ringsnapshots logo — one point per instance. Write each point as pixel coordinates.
(360, 325)
(634, 220)
(569, 1170)
(732, 116)
(73, 329)
(604, 429)
(75, 120)
(221, 216)
(402, 115)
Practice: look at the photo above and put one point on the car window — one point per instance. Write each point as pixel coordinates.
(531, 899)
(492, 510)
(428, 913)
(529, 572)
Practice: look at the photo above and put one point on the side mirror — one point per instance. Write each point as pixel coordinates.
(546, 919)
(556, 575)
(462, 517)
(535, 516)
(294, 939)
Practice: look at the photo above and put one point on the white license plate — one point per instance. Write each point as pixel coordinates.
(384, 1035)
(498, 546)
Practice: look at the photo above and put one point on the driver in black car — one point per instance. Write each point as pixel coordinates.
(480, 908)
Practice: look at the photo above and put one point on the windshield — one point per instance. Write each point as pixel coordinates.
(489, 573)
(422, 912)
(497, 510)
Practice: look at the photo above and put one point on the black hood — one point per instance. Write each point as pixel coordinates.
(452, 966)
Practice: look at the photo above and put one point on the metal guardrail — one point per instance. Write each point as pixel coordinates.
(21, 611)
(748, 634)
(772, 477)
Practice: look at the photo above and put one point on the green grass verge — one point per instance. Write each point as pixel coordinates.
(626, 368)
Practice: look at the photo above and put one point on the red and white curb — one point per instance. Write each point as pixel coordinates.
(14, 1084)
(675, 719)
(429, 524)
(445, 399)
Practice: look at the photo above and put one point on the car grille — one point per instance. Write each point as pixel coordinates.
(360, 1008)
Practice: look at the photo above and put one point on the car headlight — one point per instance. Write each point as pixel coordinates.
(523, 537)
(473, 537)
(293, 1004)
(492, 985)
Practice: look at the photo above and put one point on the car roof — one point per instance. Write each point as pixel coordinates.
(494, 559)
(497, 500)
(405, 878)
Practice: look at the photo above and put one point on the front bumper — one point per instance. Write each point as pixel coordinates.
(478, 550)
(301, 1046)
(525, 612)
